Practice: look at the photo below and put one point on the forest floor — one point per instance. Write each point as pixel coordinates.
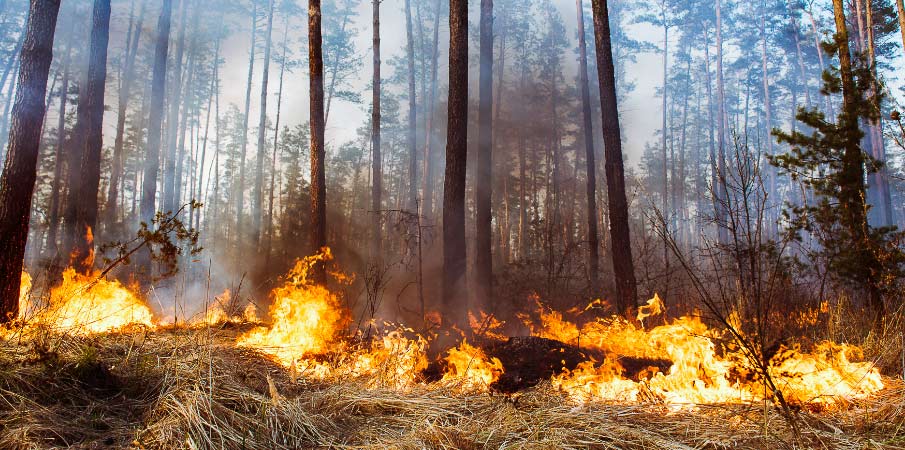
(193, 388)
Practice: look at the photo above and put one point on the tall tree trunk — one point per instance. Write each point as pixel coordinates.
(720, 180)
(590, 163)
(20, 167)
(483, 269)
(90, 112)
(427, 186)
(268, 245)
(880, 178)
(376, 161)
(56, 186)
(851, 182)
(158, 91)
(623, 266)
(125, 89)
(455, 297)
(256, 208)
(318, 179)
(207, 121)
(412, 203)
(169, 170)
(240, 190)
(190, 109)
(772, 226)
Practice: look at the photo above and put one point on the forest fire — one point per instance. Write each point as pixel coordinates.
(307, 334)
(84, 304)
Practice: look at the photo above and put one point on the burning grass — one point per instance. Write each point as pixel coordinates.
(298, 381)
(193, 388)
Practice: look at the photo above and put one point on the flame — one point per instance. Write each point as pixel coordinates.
(25, 304)
(84, 304)
(216, 314)
(470, 369)
(306, 318)
(307, 322)
(699, 372)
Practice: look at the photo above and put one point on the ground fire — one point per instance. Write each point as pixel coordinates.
(307, 332)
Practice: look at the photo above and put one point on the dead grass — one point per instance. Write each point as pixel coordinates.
(182, 388)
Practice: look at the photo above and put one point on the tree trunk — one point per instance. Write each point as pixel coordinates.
(590, 163)
(483, 269)
(20, 167)
(172, 125)
(240, 190)
(90, 113)
(318, 180)
(720, 180)
(158, 91)
(207, 121)
(56, 186)
(376, 161)
(256, 208)
(623, 266)
(268, 245)
(427, 187)
(412, 113)
(125, 89)
(455, 296)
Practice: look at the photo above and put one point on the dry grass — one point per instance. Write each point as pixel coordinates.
(183, 388)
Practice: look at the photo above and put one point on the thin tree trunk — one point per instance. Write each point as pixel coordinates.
(623, 266)
(720, 185)
(207, 122)
(318, 180)
(412, 113)
(240, 191)
(268, 246)
(125, 89)
(20, 167)
(56, 186)
(484, 183)
(427, 187)
(257, 200)
(590, 163)
(455, 296)
(169, 170)
(376, 161)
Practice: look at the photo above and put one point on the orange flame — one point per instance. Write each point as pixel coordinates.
(699, 373)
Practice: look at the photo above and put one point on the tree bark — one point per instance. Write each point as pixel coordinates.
(376, 158)
(427, 186)
(20, 168)
(256, 208)
(590, 163)
(623, 266)
(412, 113)
(483, 269)
(158, 91)
(318, 179)
(90, 113)
(455, 297)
